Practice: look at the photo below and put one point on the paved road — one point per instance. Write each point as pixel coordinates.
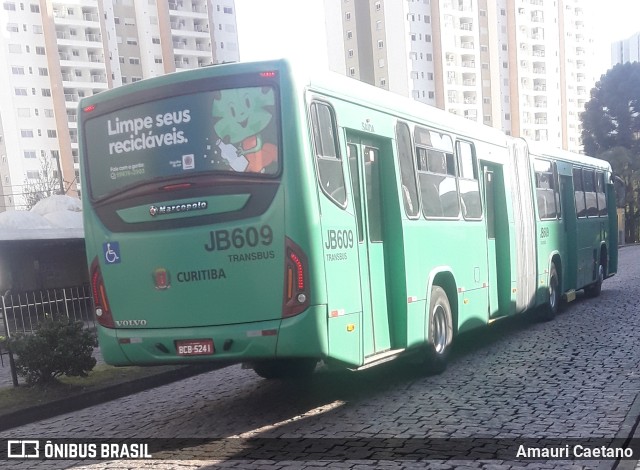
(574, 378)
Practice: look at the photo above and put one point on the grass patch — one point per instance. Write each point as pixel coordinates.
(102, 376)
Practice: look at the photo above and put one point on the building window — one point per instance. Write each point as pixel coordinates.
(35, 8)
(40, 50)
(9, 6)
(17, 70)
(33, 175)
(37, 29)
(51, 133)
(429, 76)
(21, 92)
(378, 25)
(29, 154)
(134, 60)
(429, 57)
(12, 27)
(228, 10)
(135, 79)
(347, 16)
(352, 71)
(380, 44)
(43, 71)
(349, 34)
(26, 133)
(378, 6)
(350, 53)
(158, 60)
(155, 40)
(46, 92)
(121, 59)
(132, 41)
(48, 113)
(427, 37)
(383, 82)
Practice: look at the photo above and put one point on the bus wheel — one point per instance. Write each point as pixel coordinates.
(440, 334)
(553, 305)
(594, 289)
(285, 368)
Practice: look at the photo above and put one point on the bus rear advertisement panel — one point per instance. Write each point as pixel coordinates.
(230, 130)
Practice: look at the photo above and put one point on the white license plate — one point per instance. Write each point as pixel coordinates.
(194, 347)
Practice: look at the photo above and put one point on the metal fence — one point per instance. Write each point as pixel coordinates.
(22, 312)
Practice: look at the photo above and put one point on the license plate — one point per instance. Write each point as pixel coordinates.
(194, 347)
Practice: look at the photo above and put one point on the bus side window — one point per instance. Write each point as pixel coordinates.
(581, 207)
(468, 181)
(546, 190)
(437, 174)
(590, 197)
(352, 155)
(601, 194)
(407, 170)
(327, 153)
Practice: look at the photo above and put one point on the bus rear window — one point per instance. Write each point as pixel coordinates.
(229, 130)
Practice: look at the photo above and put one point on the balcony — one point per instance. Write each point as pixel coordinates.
(90, 17)
(93, 38)
(71, 97)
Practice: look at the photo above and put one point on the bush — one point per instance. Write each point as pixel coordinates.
(58, 347)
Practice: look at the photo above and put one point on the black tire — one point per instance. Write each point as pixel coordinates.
(440, 331)
(550, 311)
(595, 289)
(297, 368)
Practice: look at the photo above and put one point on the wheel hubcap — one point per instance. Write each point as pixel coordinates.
(552, 293)
(439, 329)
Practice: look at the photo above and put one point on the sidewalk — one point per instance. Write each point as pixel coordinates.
(161, 375)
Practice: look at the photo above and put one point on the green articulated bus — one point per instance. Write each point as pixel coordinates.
(251, 213)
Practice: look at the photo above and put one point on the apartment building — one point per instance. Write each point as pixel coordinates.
(627, 50)
(520, 66)
(54, 52)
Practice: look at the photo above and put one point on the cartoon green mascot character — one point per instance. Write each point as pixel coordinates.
(241, 117)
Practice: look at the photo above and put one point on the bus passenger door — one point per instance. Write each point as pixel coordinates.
(570, 266)
(498, 259)
(364, 165)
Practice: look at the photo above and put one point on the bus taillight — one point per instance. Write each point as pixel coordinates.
(103, 312)
(296, 282)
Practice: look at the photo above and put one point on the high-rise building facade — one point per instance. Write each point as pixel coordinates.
(627, 50)
(52, 53)
(520, 66)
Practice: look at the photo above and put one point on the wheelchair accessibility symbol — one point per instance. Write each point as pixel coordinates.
(111, 252)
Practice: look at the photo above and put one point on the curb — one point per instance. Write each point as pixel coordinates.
(99, 396)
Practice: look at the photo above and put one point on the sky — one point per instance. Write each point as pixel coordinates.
(296, 28)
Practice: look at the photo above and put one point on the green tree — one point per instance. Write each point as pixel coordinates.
(611, 131)
(58, 347)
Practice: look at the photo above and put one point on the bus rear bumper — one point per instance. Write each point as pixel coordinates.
(303, 335)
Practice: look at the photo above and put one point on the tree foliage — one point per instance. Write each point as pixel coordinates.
(611, 131)
(612, 115)
(57, 347)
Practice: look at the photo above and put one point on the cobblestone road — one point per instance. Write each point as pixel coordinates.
(576, 377)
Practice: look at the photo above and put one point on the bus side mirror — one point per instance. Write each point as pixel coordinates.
(621, 191)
